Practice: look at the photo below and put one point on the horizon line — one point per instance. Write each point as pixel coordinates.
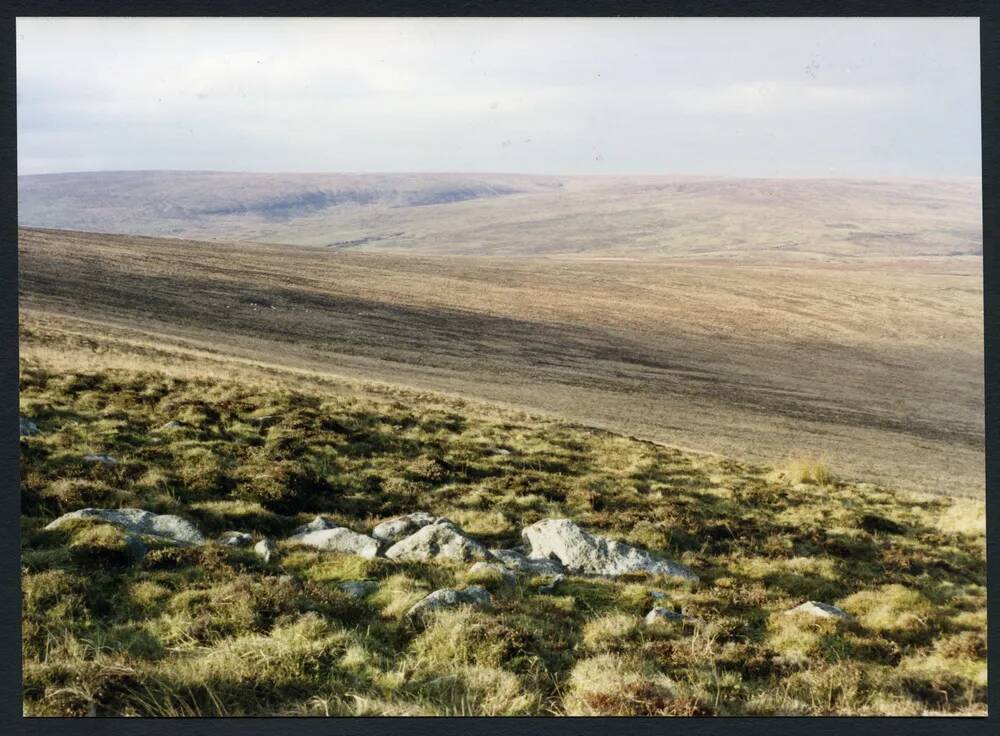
(701, 175)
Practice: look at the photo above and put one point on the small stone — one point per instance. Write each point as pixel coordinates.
(493, 568)
(449, 598)
(102, 459)
(172, 425)
(657, 595)
(440, 540)
(402, 526)
(359, 588)
(550, 588)
(235, 539)
(820, 610)
(663, 614)
(516, 561)
(27, 427)
(339, 539)
(317, 524)
(265, 549)
(589, 554)
(137, 521)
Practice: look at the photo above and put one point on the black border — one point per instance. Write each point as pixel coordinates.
(11, 720)
(290, 8)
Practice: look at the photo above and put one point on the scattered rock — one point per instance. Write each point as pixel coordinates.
(582, 552)
(27, 427)
(449, 598)
(339, 539)
(550, 588)
(494, 567)
(663, 614)
(102, 459)
(359, 588)
(657, 595)
(317, 524)
(402, 526)
(501, 451)
(137, 521)
(820, 610)
(514, 560)
(235, 539)
(265, 549)
(174, 424)
(442, 539)
(660, 613)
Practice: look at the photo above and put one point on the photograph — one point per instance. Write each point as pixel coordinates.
(499, 366)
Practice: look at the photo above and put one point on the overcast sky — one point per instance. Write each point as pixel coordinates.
(753, 97)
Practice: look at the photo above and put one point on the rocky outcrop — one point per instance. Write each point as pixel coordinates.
(440, 540)
(338, 539)
(449, 598)
(819, 610)
(588, 554)
(402, 526)
(170, 528)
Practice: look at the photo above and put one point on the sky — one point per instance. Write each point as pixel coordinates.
(730, 97)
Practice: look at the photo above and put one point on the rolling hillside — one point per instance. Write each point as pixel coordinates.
(120, 625)
(876, 366)
(519, 215)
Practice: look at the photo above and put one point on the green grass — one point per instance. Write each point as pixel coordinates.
(214, 631)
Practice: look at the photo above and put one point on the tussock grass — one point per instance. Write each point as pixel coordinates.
(811, 470)
(214, 631)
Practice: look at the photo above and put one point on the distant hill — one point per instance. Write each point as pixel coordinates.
(519, 215)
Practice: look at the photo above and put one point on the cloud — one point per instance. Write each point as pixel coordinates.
(680, 95)
(781, 98)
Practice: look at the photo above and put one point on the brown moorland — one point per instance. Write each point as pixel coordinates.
(874, 364)
(648, 216)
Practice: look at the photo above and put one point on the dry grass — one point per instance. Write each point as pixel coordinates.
(876, 366)
(812, 470)
(214, 631)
